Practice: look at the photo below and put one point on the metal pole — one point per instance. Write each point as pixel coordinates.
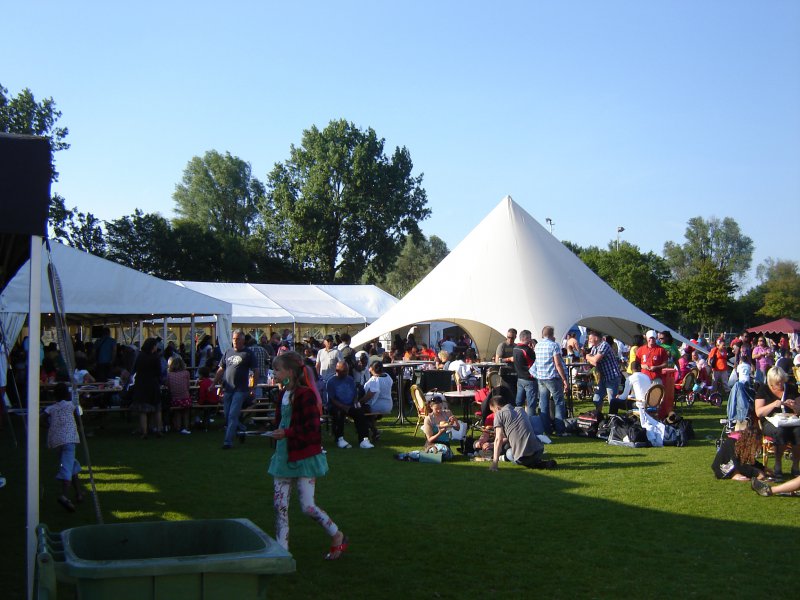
(34, 335)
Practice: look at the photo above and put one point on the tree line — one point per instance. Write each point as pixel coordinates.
(341, 209)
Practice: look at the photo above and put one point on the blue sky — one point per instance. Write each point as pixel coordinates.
(594, 114)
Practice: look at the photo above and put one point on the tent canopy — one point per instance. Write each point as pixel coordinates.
(92, 287)
(263, 303)
(784, 325)
(511, 272)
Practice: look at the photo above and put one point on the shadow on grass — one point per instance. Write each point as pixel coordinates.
(453, 530)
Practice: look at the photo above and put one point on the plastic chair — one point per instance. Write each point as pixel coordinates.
(493, 379)
(419, 403)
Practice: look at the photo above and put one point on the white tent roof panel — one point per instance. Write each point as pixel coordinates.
(537, 282)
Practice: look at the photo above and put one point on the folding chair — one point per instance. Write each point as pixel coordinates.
(653, 397)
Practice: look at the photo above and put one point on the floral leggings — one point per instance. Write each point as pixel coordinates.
(305, 490)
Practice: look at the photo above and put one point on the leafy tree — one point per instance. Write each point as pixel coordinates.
(781, 287)
(702, 299)
(142, 242)
(714, 243)
(418, 257)
(219, 191)
(640, 278)
(341, 205)
(22, 114)
(79, 230)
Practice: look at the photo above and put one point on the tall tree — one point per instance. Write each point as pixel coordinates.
(703, 298)
(781, 286)
(715, 243)
(141, 241)
(341, 205)
(418, 257)
(639, 277)
(24, 115)
(218, 191)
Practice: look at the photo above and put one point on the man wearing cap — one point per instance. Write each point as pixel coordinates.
(605, 360)
(652, 357)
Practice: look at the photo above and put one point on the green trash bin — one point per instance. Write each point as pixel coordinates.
(215, 559)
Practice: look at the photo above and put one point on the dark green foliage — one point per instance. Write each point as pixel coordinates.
(339, 205)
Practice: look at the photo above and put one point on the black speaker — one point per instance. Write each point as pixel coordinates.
(24, 184)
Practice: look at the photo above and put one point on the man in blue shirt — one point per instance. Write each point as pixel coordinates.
(343, 402)
(549, 372)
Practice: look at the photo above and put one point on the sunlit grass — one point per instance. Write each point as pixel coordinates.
(606, 524)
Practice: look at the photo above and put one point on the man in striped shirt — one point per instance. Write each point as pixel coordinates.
(603, 358)
(549, 371)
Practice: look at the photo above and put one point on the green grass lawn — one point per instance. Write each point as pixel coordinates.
(609, 522)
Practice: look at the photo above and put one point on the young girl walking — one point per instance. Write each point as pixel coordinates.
(298, 456)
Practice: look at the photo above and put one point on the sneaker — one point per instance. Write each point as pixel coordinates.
(760, 487)
(226, 446)
(342, 443)
(365, 444)
(185, 432)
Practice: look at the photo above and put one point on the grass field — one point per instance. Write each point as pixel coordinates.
(610, 522)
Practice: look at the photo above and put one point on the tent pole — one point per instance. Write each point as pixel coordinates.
(34, 335)
(192, 344)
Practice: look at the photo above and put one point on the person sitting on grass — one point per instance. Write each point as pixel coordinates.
(438, 425)
(523, 447)
(736, 457)
(63, 436)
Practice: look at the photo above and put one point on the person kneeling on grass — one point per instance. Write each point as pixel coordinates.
(523, 447)
(63, 436)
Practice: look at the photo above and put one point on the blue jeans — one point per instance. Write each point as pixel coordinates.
(606, 386)
(555, 388)
(528, 391)
(231, 407)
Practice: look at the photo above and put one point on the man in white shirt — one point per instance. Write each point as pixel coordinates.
(327, 358)
(638, 383)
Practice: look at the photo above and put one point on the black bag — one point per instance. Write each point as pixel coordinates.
(571, 425)
(604, 428)
(588, 423)
(628, 433)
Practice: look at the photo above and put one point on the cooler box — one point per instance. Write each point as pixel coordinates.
(216, 559)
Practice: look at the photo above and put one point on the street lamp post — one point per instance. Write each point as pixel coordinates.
(619, 230)
(549, 221)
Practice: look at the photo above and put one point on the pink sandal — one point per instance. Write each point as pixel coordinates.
(336, 552)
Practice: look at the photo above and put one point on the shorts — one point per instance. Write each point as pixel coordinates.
(69, 466)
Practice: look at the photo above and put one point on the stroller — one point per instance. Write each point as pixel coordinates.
(701, 390)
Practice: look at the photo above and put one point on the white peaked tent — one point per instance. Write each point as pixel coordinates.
(511, 272)
(94, 286)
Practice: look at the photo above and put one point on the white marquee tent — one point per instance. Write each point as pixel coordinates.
(92, 286)
(262, 303)
(511, 272)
